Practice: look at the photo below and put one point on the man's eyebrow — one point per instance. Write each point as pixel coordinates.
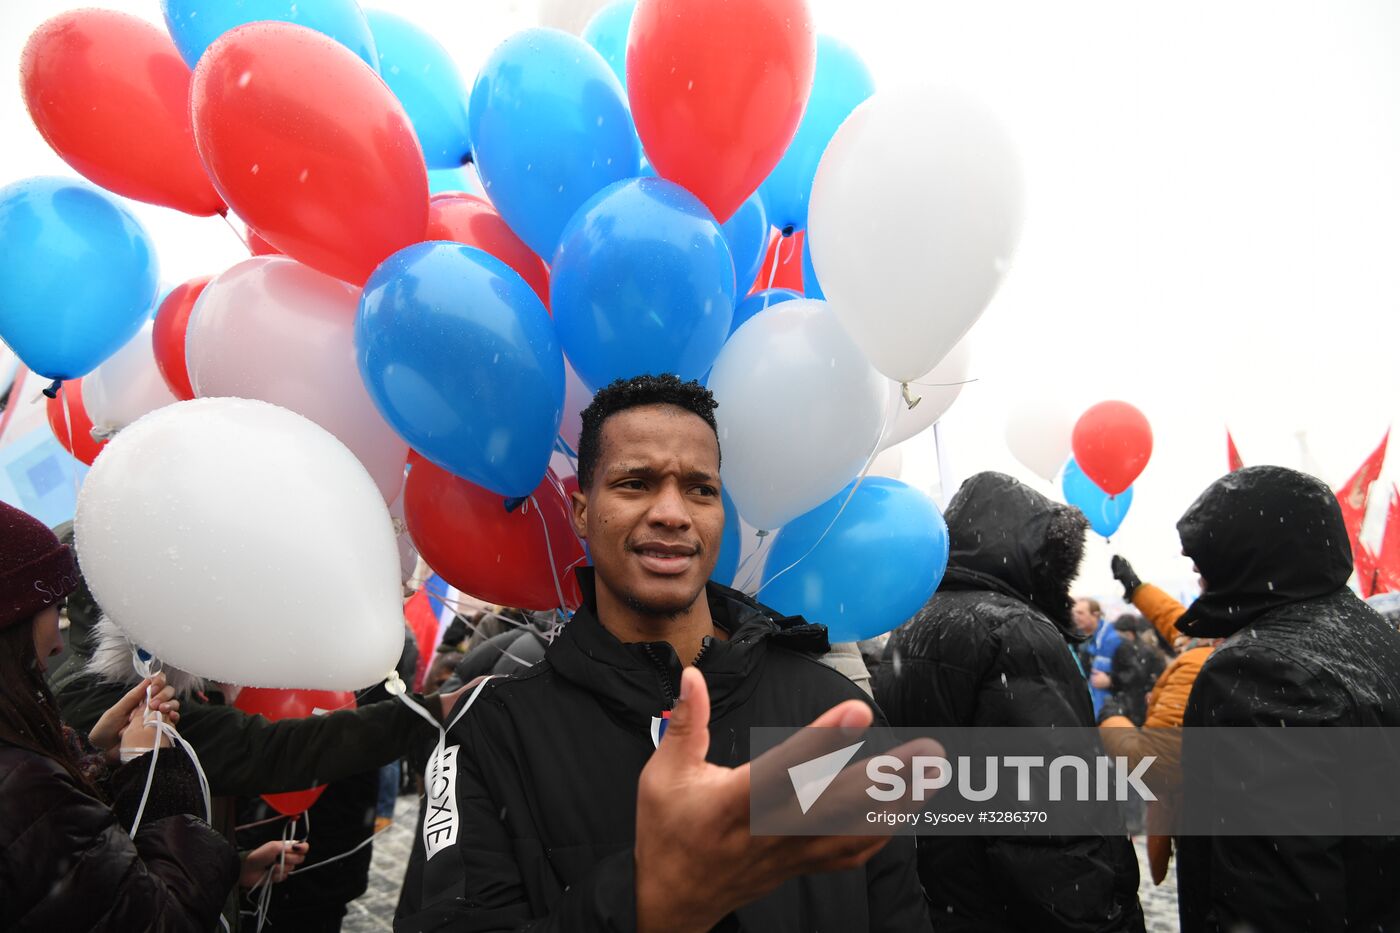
(631, 468)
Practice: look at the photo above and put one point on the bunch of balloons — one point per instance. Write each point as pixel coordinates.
(1111, 444)
(654, 197)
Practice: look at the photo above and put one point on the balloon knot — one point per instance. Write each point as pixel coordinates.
(761, 533)
(394, 684)
(513, 502)
(789, 230)
(52, 390)
(467, 159)
(910, 399)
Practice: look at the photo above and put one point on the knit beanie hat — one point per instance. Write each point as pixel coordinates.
(36, 571)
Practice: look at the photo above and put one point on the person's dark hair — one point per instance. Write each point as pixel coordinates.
(28, 713)
(636, 392)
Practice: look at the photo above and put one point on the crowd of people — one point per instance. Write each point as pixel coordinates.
(593, 775)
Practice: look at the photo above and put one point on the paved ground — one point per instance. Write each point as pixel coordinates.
(373, 913)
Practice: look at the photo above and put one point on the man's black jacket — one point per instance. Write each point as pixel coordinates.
(547, 764)
(1300, 650)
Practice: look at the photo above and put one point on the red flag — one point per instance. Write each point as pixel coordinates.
(423, 622)
(1354, 495)
(1368, 573)
(1386, 577)
(1232, 452)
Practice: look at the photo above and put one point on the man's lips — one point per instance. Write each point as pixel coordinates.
(666, 559)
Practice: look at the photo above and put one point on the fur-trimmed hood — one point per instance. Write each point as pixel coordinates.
(112, 662)
(1011, 539)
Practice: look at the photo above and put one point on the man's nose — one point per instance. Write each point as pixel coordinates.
(669, 507)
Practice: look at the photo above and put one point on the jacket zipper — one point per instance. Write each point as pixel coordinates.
(663, 675)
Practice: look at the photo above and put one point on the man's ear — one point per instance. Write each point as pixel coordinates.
(578, 509)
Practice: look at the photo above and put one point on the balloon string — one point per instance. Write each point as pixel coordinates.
(549, 556)
(773, 272)
(68, 426)
(147, 666)
(869, 462)
(941, 385)
(763, 539)
(236, 232)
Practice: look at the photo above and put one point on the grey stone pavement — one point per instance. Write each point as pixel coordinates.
(373, 912)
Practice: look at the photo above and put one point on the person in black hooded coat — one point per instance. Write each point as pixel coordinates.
(993, 648)
(1300, 649)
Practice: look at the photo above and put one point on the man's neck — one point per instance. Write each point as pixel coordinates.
(685, 632)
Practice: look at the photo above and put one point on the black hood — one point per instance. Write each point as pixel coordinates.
(1006, 537)
(637, 680)
(1261, 537)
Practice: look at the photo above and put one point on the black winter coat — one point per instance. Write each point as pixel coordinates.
(67, 862)
(546, 782)
(1300, 650)
(993, 648)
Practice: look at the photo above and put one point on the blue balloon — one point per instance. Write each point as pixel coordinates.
(78, 275)
(461, 358)
(550, 128)
(872, 571)
(607, 32)
(424, 78)
(810, 285)
(730, 545)
(442, 180)
(755, 303)
(747, 233)
(195, 24)
(642, 283)
(840, 83)
(1105, 512)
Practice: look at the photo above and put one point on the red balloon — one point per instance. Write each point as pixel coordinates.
(260, 247)
(717, 89)
(465, 533)
(83, 447)
(292, 704)
(310, 147)
(168, 335)
(465, 218)
(787, 252)
(1112, 444)
(110, 94)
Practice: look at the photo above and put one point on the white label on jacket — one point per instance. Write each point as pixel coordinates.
(440, 822)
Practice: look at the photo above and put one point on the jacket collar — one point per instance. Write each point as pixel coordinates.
(638, 680)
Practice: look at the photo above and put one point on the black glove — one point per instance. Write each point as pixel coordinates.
(1124, 574)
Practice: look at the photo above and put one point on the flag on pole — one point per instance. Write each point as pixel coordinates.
(1353, 496)
(1232, 452)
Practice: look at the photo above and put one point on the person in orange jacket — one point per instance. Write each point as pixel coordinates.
(1166, 707)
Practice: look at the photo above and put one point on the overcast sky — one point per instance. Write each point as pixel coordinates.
(1211, 230)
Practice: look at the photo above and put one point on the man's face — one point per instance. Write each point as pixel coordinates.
(652, 516)
(1084, 618)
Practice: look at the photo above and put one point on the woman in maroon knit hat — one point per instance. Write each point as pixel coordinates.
(67, 861)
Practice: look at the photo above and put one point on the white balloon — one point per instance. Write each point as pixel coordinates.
(800, 411)
(126, 386)
(1038, 433)
(240, 542)
(275, 330)
(915, 213)
(568, 15)
(936, 390)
